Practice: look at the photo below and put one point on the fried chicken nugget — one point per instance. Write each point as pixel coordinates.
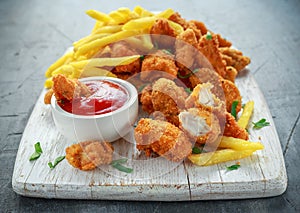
(185, 49)
(176, 17)
(162, 30)
(65, 88)
(88, 155)
(163, 138)
(232, 129)
(234, 58)
(223, 42)
(48, 95)
(120, 49)
(231, 74)
(232, 94)
(198, 27)
(200, 124)
(208, 45)
(159, 61)
(169, 99)
(146, 99)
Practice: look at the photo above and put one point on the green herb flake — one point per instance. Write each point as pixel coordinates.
(117, 165)
(233, 167)
(56, 161)
(196, 150)
(37, 153)
(233, 108)
(142, 57)
(188, 90)
(188, 75)
(167, 51)
(260, 124)
(208, 36)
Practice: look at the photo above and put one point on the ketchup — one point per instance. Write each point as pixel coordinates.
(106, 97)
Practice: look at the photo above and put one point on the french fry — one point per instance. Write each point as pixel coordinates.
(66, 69)
(165, 14)
(102, 17)
(142, 12)
(141, 23)
(109, 29)
(219, 156)
(48, 83)
(101, 62)
(239, 144)
(246, 114)
(97, 25)
(61, 61)
(89, 39)
(94, 46)
(177, 27)
(95, 71)
(142, 44)
(118, 17)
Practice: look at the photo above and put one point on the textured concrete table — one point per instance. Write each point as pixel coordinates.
(34, 33)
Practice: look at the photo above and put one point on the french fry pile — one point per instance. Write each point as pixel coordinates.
(109, 28)
(230, 148)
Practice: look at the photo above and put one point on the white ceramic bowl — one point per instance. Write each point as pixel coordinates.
(105, 127)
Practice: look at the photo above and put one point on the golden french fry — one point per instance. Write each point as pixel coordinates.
(246, 114)
(118, 17)
(177, 27)
(109, 29)
(94, 46)
(102, 17)
(89, 39)
(140, 43)
(48, 83)
(66, 69)
(141, 23)
(95, 71)
(97, 25)
(101, 62)
(142, 12)
(219, 156)
(61, 61)
(165, 14)
(239, 144)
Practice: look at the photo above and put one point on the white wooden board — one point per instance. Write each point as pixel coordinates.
(260, 175)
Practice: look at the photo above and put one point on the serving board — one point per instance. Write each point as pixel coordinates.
(261, 175)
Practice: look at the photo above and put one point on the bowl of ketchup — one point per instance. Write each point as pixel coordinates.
(107, 114)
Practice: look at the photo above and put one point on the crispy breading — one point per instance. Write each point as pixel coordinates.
(208, 45)
(162, 32)
(175, 17)
(198, 27)
(223, 42)
(161, 62)
(48, 95)
(230, 73)
(234, 58)
(200, 124)
(168, 98)
(232, 129)
(68, 89)
(232, 94)
(185, 49)
(88, 155)
(146, 99)
(162, 138)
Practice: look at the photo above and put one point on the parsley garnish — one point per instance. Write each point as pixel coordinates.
(260, 124)
(167, 51)
(208, 36)
(188, 75)
(188, 90)
(142, 57)
(233, 167)
(56, 161)
(117, 164)
(37, 153)
(196, 150)
(233, 108)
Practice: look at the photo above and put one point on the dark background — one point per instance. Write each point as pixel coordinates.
(33, 34)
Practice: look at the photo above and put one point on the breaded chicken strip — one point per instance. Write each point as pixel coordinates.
(231, 74)
(234, 58)
(208, 45)
(163, 138)
(198, 27)
(175, 17)
(67, 89)
(48, 95)
(200, 124)
(159, 61)
(89, 154)
(146, 99)
(232, 94)
(232, 129)
(223, 42)
(185, 49)
(169, 99)
(162, 32)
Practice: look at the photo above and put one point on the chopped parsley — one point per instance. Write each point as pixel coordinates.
(188, 75)
(196, 150)
(142, 57)
(37, 153)
(233, 167)
(117, 164)
(233, 108)
(260, 124)
(188, 90)
(208, 36)
(56, 161)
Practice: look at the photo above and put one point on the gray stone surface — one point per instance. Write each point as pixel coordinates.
(34, 33)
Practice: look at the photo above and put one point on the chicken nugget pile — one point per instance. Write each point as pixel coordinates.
(184, 71)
